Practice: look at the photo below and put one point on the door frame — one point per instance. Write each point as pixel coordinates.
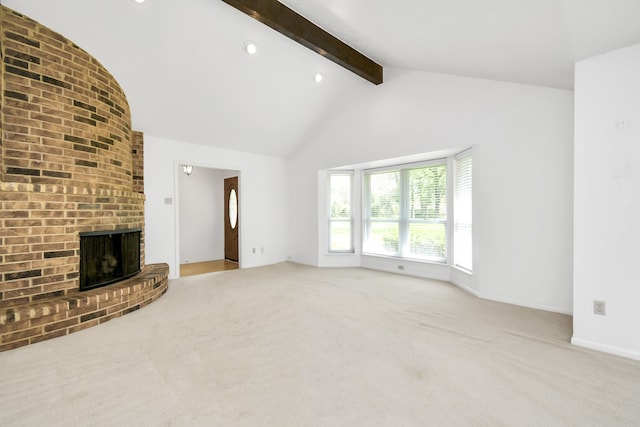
(177, 168)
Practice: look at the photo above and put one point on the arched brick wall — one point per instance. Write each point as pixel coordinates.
(70, 164)
(66, 119)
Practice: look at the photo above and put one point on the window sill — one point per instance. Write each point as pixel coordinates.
(398, 258)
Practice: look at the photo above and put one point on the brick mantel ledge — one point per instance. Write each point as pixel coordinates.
(67, 189)
(27, 324)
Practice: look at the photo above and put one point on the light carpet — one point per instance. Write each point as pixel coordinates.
(291, 345)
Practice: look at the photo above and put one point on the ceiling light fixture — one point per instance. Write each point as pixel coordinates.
(139, 1)
(187, 169)
(318, 78)
(250, 47)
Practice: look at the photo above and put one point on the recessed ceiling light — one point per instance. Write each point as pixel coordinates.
(251, 48)
(139, 1)
(318, 78)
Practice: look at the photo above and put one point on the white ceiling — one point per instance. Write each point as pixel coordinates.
(525, 41)
(187, 77)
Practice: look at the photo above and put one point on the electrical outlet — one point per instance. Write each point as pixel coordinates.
(599, 308)
(253, 250)
(401, 267)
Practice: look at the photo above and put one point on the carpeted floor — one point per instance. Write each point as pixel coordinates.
(290, 345)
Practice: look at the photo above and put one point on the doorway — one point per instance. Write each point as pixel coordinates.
(201, 220)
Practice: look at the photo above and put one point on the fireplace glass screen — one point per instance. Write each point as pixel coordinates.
(107, 257)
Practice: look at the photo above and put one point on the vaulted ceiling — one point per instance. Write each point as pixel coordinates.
(187, 76)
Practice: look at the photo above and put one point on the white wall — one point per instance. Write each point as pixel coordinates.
(201, 215)
(522, 172)
(263, 200)
(607, 202)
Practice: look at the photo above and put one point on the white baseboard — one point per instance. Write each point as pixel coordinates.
(550, 308)
(466, 288)
(543, 307)
(605, 348)
(407, 267)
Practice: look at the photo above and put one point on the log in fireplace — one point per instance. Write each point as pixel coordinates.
(108, 256)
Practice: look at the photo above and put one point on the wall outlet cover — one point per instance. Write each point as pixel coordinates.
(599, 308)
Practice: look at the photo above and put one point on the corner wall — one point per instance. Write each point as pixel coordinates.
(607, 203)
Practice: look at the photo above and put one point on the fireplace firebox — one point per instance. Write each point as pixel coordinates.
(108, 256)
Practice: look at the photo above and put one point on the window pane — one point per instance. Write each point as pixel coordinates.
(462, 239)
(428, 193)
(340, 236)
(340, 194)
(427, 241)
(233, 209)
(384, 193)
(383, 238)
(463, 213)
(406, 212)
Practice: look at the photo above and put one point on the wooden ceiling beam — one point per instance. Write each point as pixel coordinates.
(298, 28)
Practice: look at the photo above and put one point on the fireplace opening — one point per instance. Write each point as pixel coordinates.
(108, 256)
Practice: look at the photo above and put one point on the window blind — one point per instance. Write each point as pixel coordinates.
(463, 212)
(406, 212)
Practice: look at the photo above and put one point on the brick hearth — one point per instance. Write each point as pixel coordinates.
(57, 316)
(70, 164)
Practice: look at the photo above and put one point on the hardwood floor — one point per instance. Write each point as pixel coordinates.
(194, 268)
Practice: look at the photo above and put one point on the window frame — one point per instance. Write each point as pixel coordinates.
(404, 221)
(331, 220)
(466, 154)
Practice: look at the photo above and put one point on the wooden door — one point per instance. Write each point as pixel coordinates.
(231, 218)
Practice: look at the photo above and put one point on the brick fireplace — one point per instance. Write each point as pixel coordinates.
(70, 164)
